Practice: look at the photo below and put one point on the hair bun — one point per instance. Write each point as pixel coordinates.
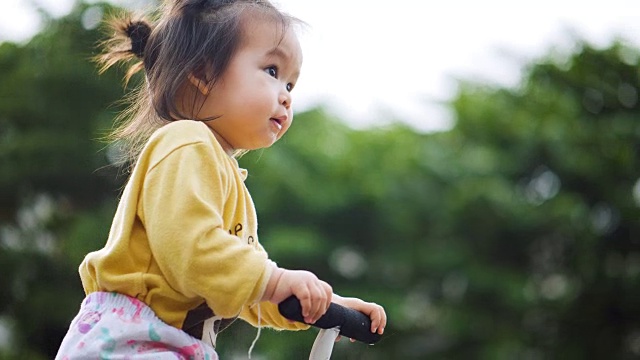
(139, 32)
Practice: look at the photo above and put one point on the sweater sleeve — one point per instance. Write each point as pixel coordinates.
(182, 207)
(266, 314)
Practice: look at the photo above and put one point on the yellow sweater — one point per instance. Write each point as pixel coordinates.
(185, 233)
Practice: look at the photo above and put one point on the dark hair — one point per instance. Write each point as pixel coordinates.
(190, 37)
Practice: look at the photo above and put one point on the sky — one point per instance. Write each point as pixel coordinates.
(372, 61)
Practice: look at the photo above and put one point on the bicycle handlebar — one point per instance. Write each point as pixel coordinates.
(352, 323)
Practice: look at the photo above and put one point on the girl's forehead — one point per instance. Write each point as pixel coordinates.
(268, 34)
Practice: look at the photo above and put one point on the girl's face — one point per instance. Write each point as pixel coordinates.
(253, 96)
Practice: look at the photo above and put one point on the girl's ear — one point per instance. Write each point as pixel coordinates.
(200, 84)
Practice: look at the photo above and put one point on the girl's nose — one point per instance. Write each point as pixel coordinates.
(285, 98)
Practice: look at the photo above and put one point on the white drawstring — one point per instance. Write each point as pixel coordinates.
(253, 344)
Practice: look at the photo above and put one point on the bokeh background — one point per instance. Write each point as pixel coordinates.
(514, 233)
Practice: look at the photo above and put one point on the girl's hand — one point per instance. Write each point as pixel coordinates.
(375, 312)
(314, 294)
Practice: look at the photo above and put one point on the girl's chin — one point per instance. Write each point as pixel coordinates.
(262, 141)
(261, 145)
(270, 141)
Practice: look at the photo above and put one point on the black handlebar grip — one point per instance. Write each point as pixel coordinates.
(352, 323)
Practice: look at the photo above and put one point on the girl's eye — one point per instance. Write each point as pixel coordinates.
(272, 71)
(289, 87)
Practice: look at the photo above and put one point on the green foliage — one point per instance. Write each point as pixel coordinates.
(55, 183)
(514, 235)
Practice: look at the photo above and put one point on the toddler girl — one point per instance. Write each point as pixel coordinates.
(183, 259)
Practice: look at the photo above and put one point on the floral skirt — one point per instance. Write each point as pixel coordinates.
(115, 326)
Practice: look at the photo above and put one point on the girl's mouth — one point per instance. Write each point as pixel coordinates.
(279, 121)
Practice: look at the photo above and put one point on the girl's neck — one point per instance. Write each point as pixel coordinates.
(189, 95)
(225, 145)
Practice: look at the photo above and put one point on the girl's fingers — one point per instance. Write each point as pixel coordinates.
(310, 309)
(323, 293)
(383, 321)
(318, 303)
(328, 292)
(378, 320)
(305, 303)
(340, 338)
(374, 326)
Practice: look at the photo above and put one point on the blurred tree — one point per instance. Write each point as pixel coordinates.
(57, 192)
(558, 218)
(514, 235)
